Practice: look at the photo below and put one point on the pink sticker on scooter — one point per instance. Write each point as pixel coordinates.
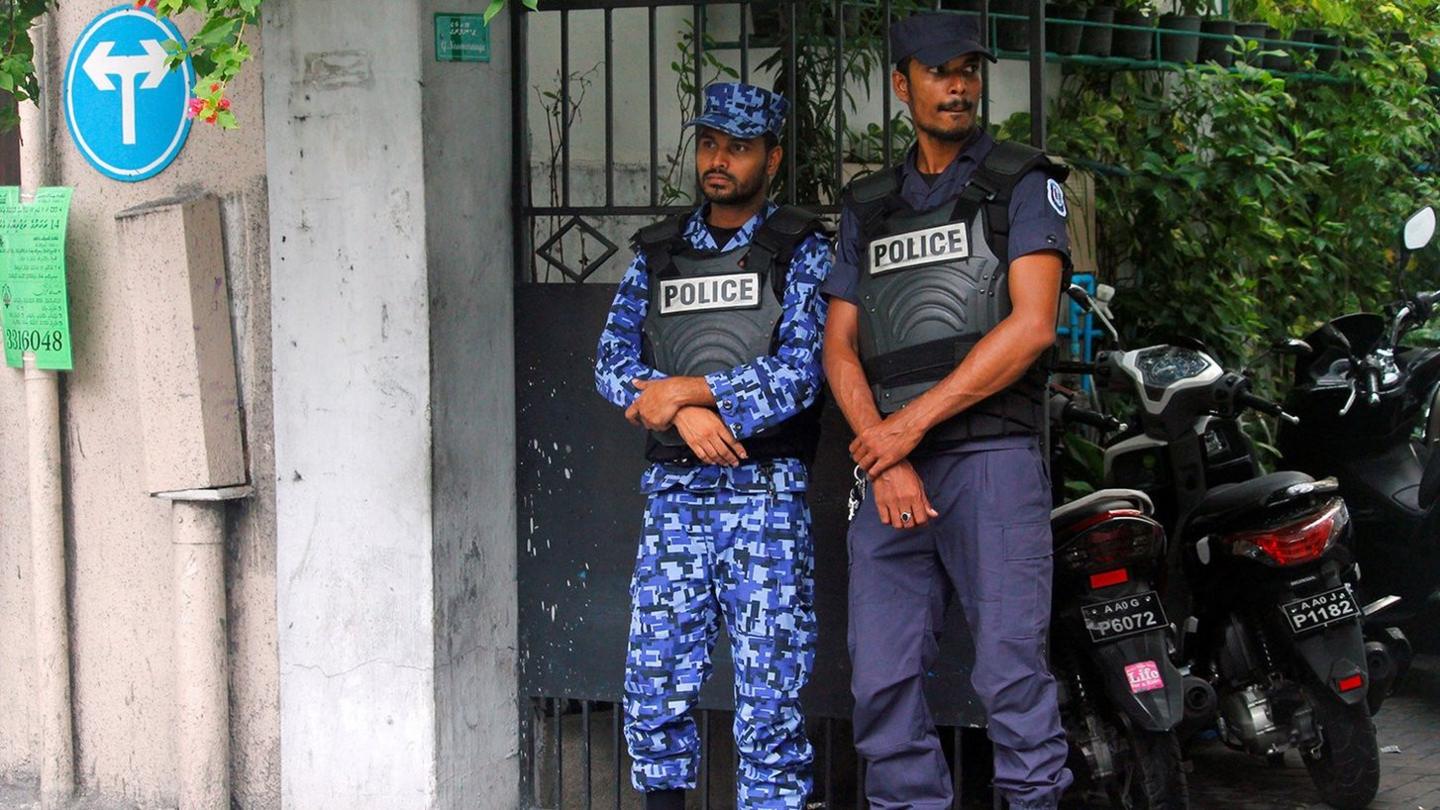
(1144, 677)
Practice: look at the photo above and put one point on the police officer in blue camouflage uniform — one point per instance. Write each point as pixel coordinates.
(942, 311)
(713, 345)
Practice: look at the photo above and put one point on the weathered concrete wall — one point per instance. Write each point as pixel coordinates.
(352, 403)
(467, 196)
(118, 537)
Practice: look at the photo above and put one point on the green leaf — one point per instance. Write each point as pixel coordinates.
(495, 7)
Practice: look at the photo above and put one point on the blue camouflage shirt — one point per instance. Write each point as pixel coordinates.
(750, 397)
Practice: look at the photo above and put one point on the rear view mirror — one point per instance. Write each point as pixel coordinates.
(1293, 346)
(1420, 229)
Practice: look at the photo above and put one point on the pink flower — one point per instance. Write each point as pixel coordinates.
(224, 103)
(194, 107)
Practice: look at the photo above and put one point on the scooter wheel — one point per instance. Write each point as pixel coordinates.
(1156, 781)
(1346, 768)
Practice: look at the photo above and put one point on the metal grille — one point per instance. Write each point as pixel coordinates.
(829, 57)
(574, 757)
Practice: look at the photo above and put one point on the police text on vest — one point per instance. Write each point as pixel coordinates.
(929, 246)
(733, 291)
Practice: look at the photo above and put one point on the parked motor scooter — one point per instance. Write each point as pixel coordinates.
(1111, 644)
(1259, 567)
(1362, 397)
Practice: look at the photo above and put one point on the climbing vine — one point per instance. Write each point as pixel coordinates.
(17, 55)
(218, 50)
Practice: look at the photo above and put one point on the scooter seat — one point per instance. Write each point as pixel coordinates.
(1226, 502)
(1097, 503)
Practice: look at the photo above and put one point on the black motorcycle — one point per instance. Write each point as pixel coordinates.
(1120, 694)
(1362, 397)
(1272, 642)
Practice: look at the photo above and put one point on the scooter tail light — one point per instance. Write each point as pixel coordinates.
(1351, 683)
(1110, 541)
(1301, 541)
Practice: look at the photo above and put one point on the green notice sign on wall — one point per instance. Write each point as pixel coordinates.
(461, 38)
(34, 309)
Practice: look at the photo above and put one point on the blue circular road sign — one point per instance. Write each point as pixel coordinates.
(125, 109)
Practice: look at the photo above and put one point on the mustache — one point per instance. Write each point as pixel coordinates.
(720, 174)
(957, 106)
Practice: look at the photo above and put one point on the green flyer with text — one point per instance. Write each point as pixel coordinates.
(34, 309)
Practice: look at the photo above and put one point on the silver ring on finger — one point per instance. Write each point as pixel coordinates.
(906, 517)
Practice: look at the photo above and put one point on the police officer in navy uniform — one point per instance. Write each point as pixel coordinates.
(943, 303)
(713, 345)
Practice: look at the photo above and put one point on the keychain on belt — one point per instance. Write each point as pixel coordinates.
(857, 491)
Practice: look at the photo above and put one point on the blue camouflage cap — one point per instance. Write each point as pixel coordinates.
(742, 110)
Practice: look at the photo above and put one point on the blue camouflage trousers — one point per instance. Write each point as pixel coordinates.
(746, 558)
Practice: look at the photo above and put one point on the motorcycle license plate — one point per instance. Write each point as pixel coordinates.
(1319, 610)
(1124, 617)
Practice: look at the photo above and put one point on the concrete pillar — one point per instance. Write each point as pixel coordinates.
(469, 236)
(351, 324)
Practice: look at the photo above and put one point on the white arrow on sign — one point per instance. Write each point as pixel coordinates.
(100, 66)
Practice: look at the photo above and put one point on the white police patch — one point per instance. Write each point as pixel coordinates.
(1057, 196)
(929, 246)
(702, 293)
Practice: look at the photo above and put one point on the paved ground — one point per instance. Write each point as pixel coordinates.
(1220, 779)
(1409, 778)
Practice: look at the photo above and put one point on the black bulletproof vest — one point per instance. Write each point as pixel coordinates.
(710, 311)
(933, 282)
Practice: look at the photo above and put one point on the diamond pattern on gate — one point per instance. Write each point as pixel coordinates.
(579, 245)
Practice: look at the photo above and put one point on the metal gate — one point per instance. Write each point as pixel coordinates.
(599, 90)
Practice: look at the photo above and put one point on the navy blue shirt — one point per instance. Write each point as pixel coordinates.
(1037, 223)
(1037, 213)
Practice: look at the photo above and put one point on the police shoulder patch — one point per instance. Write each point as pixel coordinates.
(1056, 193)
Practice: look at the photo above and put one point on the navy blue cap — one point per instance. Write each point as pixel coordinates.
(742, 110)
(935, 38)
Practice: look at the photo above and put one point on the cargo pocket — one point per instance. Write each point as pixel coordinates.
(1025, 600)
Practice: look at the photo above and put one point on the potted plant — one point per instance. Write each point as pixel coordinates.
(1183, 46)
(1012, 34)
(1219, 35)
(1137, 40)
(1289, 54)
(1327, 50)
(1064, 37)
(1252, 32)
(1098, 38)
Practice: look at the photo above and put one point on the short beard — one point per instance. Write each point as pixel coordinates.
(957, 135)
(741, 194)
